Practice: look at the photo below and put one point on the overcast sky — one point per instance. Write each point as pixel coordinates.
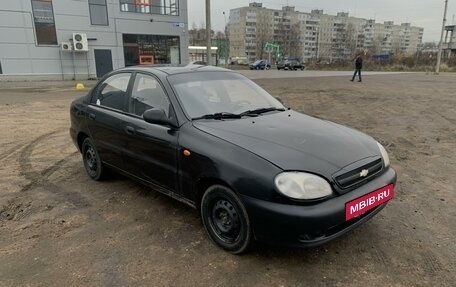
(422, 13)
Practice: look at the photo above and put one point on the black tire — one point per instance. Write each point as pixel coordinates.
(225, 219)
(92, 161)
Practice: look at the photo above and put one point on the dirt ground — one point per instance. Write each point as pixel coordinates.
(58, 228)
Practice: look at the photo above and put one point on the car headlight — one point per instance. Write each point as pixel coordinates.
(384, 153)
(300, 185)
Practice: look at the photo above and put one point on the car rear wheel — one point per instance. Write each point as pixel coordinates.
(225, 219)
(92, 161)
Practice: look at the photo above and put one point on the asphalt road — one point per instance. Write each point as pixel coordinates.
(58, 228)
(276, 74)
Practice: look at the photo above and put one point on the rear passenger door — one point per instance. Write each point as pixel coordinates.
(106, 114)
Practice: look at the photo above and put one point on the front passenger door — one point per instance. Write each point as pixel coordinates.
(151, 149)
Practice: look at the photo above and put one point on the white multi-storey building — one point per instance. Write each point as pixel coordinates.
(315, 35)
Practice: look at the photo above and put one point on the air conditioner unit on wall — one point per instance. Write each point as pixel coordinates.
(66, 46)
(80, 43)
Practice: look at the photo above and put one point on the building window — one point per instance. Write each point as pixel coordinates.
(98, 12)
(151, 49)
(161, 7)
(43, 17)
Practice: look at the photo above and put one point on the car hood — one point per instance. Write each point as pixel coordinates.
(294, 141)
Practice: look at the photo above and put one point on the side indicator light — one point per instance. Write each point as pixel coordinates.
(187, 152)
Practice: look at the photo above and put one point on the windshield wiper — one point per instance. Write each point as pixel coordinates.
(260, 111)
(219, 116)
(226, 115)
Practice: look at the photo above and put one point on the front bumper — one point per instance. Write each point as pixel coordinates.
(310, 225)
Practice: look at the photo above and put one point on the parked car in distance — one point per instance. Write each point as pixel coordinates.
(293, 65)
(260, 65)
(238, 61)
(281, 64)
(213, 139)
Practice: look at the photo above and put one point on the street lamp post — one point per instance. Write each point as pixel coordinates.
(226, 45)
(439, 56)
(208, 33)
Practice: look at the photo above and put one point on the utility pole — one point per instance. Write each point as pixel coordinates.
(208, 33)
(227, 46)
(439, 56)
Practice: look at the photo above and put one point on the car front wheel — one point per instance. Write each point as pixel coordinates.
(92, 161)
(225, 219)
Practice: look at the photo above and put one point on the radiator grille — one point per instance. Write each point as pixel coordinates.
(359, 175)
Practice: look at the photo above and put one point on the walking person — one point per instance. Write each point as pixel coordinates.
(358, 68)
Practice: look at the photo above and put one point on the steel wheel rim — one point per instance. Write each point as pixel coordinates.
(224, 220)
(91, 160)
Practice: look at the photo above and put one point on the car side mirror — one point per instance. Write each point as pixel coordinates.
(158, 117)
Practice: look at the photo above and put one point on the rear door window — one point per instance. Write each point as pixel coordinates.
(112, 93)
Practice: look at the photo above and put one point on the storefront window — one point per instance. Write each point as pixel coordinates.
(161, 7)
(43, 16)
(151, 49)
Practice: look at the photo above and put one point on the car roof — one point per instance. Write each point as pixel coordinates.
(176, 69)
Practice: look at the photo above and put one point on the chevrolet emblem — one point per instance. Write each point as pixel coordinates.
(364, 173)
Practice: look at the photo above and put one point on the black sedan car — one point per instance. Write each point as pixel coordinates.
(213, 139)
(292, 65)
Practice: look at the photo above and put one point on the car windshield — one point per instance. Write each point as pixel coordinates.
(221, 93)
(257, 62)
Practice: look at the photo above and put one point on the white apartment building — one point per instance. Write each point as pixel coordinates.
(314, 35)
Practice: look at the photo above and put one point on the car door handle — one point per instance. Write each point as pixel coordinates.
(130, 130)
(92, 116)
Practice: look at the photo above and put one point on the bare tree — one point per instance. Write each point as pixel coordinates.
(396, 47)
(197, 36)
(286, 36)
(294, 44)
(344, 43)
(377, 44)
